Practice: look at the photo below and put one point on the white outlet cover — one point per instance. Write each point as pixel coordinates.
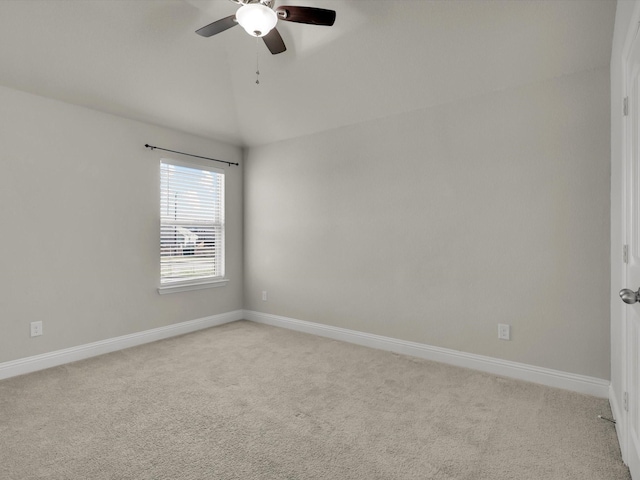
(504, 331)
(36, 328)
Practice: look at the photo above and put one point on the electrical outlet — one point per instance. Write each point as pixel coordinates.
(264, 295)
(36, 328)
(504, 331)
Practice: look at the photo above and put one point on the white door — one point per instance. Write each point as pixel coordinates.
(632, 328)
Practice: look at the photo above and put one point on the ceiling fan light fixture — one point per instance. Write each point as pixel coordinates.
(257, 19)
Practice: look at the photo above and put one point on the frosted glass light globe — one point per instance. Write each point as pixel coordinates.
(256, 19)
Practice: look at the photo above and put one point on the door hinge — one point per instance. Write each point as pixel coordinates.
(625, 254)
(625, 401)
(625, 106)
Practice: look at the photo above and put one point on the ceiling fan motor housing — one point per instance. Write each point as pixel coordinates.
(266, 3)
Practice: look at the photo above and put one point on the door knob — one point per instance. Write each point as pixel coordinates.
(629, 296)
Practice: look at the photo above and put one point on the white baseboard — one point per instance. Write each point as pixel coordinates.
(553, 378)
(544, 376)
(73, 354)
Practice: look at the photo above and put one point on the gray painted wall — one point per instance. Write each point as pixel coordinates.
(79, 217)
(431, 226)
(436, 225)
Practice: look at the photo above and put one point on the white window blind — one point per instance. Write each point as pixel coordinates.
(191, 223)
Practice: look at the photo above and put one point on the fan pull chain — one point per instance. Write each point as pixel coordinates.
(257, 61)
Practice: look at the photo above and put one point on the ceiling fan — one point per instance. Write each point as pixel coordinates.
(259, 18)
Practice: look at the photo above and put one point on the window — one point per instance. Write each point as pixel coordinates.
(191, 226)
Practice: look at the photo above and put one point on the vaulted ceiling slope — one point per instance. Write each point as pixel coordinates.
(141, 59)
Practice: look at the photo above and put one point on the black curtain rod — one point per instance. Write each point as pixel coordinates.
(188, 154)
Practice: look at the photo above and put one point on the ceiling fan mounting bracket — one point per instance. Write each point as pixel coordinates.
(267, 3)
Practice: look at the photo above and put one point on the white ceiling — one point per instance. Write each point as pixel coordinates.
(142, 60)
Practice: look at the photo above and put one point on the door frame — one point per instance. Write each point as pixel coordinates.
(629, 337)
(620, 221)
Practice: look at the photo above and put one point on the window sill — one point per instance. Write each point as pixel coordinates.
(184, 287)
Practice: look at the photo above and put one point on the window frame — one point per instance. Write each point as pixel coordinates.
(199, 283)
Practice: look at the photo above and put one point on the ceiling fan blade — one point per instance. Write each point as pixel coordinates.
(218, 26)
(311, 15)
(274, 42)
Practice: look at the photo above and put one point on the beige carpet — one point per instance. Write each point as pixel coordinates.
(248, 401)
